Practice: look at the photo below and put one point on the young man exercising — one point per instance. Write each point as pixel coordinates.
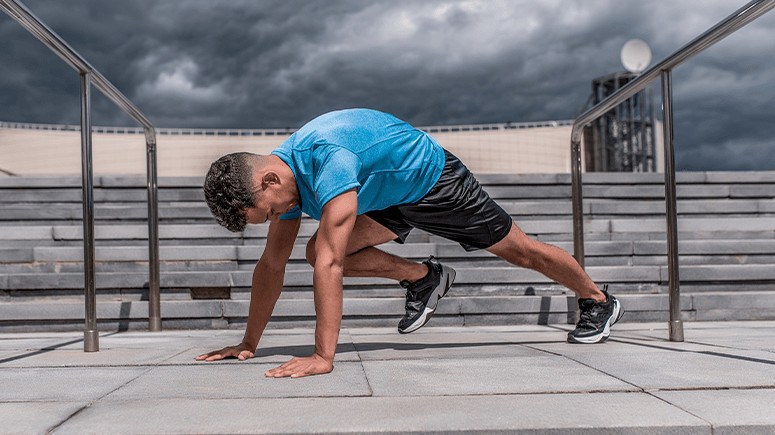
(370, 178)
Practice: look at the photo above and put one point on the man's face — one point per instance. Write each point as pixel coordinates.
(271, 201)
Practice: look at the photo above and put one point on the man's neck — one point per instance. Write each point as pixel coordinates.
(286, 176)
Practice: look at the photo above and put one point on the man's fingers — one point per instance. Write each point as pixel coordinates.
(245, 354)
(207, 356)
(283, 370)
(226, 352)
(215, 357)
(300, 373)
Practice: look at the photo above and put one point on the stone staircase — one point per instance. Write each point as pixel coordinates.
(726, 240)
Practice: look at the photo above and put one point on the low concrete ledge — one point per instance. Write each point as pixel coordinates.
(73, 309)
(494, 310)
(705, 247)
(23, 232)
(16, 255)
(724, 272)
(295, 277)
(136, 253)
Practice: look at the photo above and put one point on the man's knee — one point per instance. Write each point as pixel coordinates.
(519, 249)
(311, 250)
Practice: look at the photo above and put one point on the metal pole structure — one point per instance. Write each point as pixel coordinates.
(154, 293)
(91, 77)
(578, 222)
(676, 331)
(91, 336)
(578, 203)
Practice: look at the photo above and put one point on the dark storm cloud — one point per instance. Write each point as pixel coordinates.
(279, 63)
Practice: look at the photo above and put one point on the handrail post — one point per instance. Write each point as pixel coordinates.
(90, 334)
(154, 296)
(675, 326)
(578, 218)
(578, 202)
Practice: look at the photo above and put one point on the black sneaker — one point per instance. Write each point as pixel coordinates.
(423, 295)
(596, 319)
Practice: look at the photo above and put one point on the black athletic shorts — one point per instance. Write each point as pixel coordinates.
(456, 208)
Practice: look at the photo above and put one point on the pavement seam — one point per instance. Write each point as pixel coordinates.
(89, 404)
(710, 425)
(725, 346)
(641, 389)
(587, 365)
(360, 363)
(701, 352)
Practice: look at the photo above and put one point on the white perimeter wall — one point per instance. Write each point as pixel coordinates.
(52, 152)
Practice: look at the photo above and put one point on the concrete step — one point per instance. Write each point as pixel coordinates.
(619, 227)
(710, 177)
(15, 214)
(68, 312)
(499, 192)
(690, 250)
(302, 277)
(252, 253)
(102, 211)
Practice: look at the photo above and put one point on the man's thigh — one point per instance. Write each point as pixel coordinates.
(458, 209)
(367, 232)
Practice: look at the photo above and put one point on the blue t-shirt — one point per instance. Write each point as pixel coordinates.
(387, 161)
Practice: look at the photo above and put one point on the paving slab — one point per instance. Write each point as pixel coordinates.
(39, 341)
(35, 417)
(6, 356)
(272, 349)
(524, 414)
(516, 379)
(738, 337)
(438, 346)
(79, 358)
(214, 381)
(729, 411)
(163, 339)
(63, 384)
(669, 365)
(501, 375)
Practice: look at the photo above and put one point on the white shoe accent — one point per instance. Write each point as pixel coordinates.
(420, 320)
(592, 339)
(613, 319)
(447, 278)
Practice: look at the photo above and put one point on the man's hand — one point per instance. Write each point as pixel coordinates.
(300, 367)
(241, 351)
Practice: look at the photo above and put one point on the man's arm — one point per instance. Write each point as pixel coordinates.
(266, 287)
(336, 225)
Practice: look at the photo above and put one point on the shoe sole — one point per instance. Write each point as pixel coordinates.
(447, 277)
(603, 336)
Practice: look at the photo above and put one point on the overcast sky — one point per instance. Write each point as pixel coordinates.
(266, 64)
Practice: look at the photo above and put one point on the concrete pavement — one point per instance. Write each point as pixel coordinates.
(522, 379)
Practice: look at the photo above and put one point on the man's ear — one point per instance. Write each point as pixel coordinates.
(270, 177)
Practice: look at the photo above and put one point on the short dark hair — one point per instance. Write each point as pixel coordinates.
(228, 188)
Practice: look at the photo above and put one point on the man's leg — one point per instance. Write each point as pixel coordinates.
(425, 283)
(599, 310)
(363, 259)
(519, 249)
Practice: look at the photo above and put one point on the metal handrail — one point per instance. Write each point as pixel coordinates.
(91, 77)
(724, 28)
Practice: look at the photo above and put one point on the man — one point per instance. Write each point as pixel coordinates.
(369, 178)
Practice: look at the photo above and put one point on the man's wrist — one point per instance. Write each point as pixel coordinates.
(325, 356)
(249, 345)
